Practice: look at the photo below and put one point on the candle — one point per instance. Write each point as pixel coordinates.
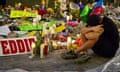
(67, 18)
(69, 42)
(42, 51)
(33, 49)
(45, 50)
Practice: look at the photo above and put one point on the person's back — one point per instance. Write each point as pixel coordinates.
(111, 31)
(108, 42)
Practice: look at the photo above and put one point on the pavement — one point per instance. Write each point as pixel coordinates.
(51, 63)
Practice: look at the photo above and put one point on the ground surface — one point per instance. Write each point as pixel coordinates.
(51, 63)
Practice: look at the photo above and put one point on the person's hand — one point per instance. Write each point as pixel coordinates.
(84, 30)
(97, 28)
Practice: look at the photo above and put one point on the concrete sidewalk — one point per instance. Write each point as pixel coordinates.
(51, 63)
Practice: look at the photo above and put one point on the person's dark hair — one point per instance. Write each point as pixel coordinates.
(93, 20)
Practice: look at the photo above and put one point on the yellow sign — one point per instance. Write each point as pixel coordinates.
(60, 28)
(31, 33)
(20, 13)
(57, 29)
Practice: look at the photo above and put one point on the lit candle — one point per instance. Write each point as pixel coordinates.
(42, 51)
(33, 49)
(54, 44)
(69, 42)
(68, 18)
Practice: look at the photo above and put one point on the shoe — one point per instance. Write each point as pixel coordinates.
(83, 58)
(69, 55)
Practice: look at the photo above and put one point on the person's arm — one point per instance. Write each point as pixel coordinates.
(87, 45)
(93, 35)
(83, 38)
(89, 40)
(97, 28)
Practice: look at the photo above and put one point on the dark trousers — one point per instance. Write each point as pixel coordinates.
(105, 48)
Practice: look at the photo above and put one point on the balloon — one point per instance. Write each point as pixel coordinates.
(97, 11)
(85, 13)
(99, 3)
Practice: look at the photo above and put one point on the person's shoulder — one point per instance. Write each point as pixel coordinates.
(105, 17)
(107, 20)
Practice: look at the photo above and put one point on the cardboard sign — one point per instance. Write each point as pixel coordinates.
(15, 46)
(31, 33)
(20, 13)
(26, 25)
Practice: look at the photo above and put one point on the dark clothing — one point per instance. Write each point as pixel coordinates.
(108, 42)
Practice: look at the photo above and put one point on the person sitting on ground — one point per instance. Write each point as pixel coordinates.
(101, 35)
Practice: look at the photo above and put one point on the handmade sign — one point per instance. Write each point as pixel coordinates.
(27, 25)
(16, 46)
(20, 13)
